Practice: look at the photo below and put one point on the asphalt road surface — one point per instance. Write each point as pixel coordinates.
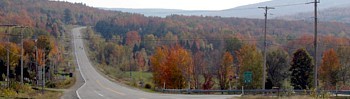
(97, 86)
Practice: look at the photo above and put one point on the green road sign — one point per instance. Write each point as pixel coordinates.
(248, 77)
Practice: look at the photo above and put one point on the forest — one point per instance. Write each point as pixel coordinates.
(201, 52)
(44, 27)
(196, 52)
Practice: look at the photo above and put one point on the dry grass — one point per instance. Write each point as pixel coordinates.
(49, 94)
(35, 95)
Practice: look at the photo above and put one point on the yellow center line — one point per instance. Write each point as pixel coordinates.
(120, 93)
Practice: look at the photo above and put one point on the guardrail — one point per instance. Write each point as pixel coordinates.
(253, 91)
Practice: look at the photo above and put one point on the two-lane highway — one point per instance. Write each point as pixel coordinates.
(97, 86)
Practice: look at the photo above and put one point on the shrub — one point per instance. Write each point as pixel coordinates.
(148, 86)
(19, 88)
(51, 84)
(8, 93)
(287, 88)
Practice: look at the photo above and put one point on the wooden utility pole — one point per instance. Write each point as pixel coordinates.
(22, 52)
(8, 52)
(43, 73)
(36, 63)
(315, 46)
(8, 59)
(22, 57)
(266, 8)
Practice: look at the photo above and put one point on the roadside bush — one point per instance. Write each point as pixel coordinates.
(51, 84)
(148, 86)
(64, 83)
(322, 94)
(19, 88)
(8, 93)
(287, 88)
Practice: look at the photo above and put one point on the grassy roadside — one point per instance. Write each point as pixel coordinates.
(27, 91)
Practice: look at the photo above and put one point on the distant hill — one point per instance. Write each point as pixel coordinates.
(283, 8)
(161, 12)
(336, 14)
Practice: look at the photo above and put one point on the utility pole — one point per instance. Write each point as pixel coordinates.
(8, 59)
(36, 63)
(22, 51)
(264, 69)
(315, 45)
(43, 73)
(22, 57)
(8, 52)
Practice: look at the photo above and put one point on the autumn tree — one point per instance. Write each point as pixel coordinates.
(301, 70)
(225, 70)
(329, 68)
(28, 46)
(141, 58)
(150, 43)
(132, 38)
(199, 64)
(250, 59)
(160, 72)
(29, 53)
(344, 59)
(170, 39)
(211, 59)
(172, 66)
(41, 60)
(45, 43)
(14, 51)
(277, 63)
(233, 45)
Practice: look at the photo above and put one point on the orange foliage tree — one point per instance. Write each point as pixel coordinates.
(132, 38)
(225, 70)
(41, 57)
(172, 67)
(329, 68)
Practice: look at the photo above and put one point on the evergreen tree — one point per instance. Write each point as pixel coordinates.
(302, 70)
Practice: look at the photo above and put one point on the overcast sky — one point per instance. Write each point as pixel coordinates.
(169, 4)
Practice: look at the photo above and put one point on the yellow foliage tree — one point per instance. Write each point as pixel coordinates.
(14, 51)
(250, 59)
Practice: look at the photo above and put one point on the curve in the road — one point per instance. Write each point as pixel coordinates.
(74, 31)
(97, 86)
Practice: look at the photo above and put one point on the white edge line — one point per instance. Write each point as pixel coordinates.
(76, 58)
(98, 93)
